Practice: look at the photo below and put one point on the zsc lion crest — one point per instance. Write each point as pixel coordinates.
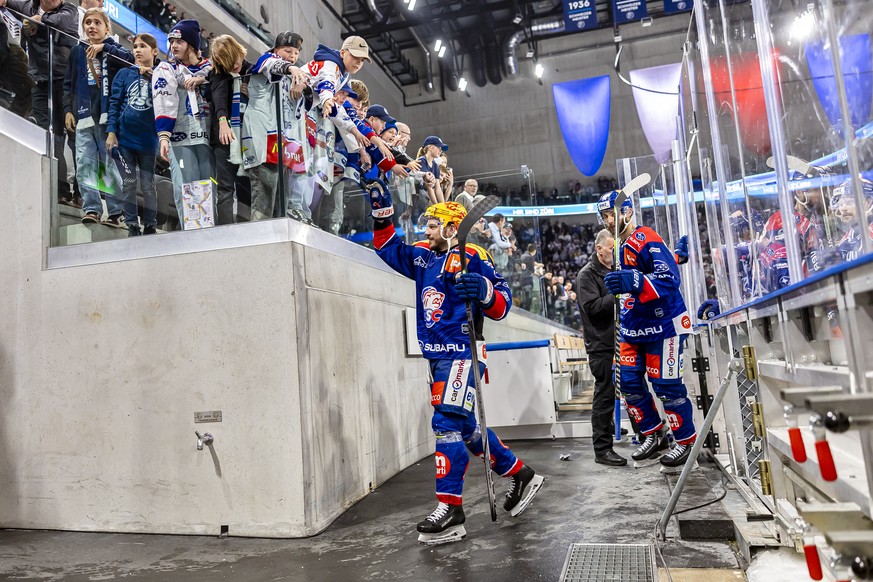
(431, 302)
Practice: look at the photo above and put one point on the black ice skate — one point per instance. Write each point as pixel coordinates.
(522, 488)
(652, 445)
(674, 460)
(444, 525)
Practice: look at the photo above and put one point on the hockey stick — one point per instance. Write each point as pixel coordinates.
(616, 266)
(473, 216)
(629, 189)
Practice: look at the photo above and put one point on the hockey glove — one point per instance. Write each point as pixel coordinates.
(681, 251)
(708, 310)
(475, 287)
(624, 281)
(380, 200)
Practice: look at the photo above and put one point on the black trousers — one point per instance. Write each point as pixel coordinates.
(40, 100)
(603, 407)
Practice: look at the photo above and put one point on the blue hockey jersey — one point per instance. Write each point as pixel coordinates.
(440, 314)
(659, 311)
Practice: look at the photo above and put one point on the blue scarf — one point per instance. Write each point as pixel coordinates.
(83, 90)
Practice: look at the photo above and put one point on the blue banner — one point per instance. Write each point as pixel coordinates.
(674, 6)
(856, 55)
(580, 15)
(583, 108)
(131, 22)
(624, 11)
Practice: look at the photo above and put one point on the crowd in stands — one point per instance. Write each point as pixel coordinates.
(187, 141)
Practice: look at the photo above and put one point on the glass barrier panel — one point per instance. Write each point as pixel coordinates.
(740, 135)
(852, 199)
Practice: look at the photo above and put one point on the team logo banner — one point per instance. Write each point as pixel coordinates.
(583, 109)
(580, 15)
(674, 6)
(624, 11)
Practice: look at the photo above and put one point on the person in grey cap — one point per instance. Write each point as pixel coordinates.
(331, 69)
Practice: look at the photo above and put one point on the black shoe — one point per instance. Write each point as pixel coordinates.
(116, 221)
(149, 229)
(623, 431)
(442, 518)
(610, 458)
(652, 445)
(677, 455)
(133, 230)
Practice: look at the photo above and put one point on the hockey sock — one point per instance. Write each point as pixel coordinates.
(451, 460)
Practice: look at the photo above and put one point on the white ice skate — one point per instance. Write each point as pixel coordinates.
(444, 525)
(447, 536)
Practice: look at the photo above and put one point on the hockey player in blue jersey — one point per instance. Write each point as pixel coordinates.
(653, 323)
(441, 295)
(844, 209)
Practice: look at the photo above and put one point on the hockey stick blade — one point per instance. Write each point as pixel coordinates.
(637, 183)
(794, 164)
(475, 214)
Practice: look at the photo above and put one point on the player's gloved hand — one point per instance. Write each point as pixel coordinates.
(475, 287)
(681, 250)
(708, 310)
(624, 281)
(380, 200)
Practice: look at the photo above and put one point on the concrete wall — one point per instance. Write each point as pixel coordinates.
(514, 123)
(299, 342)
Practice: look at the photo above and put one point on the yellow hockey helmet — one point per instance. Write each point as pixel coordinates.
(446, 212)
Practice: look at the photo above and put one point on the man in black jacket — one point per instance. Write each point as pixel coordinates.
(597, 307)
(59, 20)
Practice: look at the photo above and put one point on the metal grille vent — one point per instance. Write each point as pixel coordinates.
(748, 389)
(609, 563)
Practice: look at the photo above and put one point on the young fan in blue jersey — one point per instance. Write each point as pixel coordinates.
(90, 71)
(442, 292)
(653, 323)
(131, 133)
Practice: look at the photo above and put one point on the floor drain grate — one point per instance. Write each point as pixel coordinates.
(609, 563)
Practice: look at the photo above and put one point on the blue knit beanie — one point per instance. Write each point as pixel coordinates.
(187, 30)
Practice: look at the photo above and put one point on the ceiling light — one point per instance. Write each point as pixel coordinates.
(442, 51)
(538, 71)
(411, 5)
(437, 46)
(462, 84)
(803, 25)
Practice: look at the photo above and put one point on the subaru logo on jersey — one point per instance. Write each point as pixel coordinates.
(640, 236)
(431, 301)
(661, 267)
